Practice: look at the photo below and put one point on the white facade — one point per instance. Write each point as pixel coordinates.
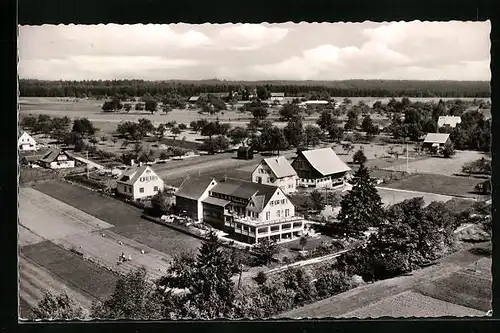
(328, 182)
(27, 143)
(62, 164)
(143, 185)
(264, 175)
(203, 197)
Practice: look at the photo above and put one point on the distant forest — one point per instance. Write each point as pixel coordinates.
(348, 88)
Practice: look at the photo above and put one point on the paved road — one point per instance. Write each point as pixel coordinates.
(362, 296)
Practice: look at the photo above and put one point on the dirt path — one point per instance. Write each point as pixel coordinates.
(35, 281)
(365, 295)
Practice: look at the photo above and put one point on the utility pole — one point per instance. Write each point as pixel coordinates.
(407, 158)
(87, 165)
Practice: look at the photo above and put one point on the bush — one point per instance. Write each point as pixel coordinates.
(261, 278)
(331, 283)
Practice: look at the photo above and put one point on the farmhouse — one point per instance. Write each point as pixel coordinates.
(450, 121)
(139, 182)
(250, 212)
(26, 142)
(279, 97)
(57, 159)
(276, 171)
(435, 140)
(320, 168)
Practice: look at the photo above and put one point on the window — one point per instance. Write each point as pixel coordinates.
(297, 224)
(268, 215)
(156, 188)
(271, 179)
(278, 213)
(275, 228)
(263, 230)
(141, 179)
(256, 215)
(287, 212)
(282, 201)
(141, 189)
(286, 226)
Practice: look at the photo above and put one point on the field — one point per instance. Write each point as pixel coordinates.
(432, 183)
(411, 304)
(126, 219)
(441, 166)
(392, 196)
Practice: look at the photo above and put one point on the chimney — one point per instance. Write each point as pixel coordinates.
(132, 162)
(140, 164)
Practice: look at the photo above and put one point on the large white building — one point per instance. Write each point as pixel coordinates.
(320, 168)
(139, 181)
(26, 142)
(249, 212)
(450, 121)
(276, 171)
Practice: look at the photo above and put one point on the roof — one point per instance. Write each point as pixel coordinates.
(325, 161)
(194, 98)
(216, 201)
(279, 94)
(244, 148)
(52, 154)
(246, 190)
(131, 174)
(280, 166)
(193, 187)
(436, 137)
(26, 135)
(32, 158)
(452, 121)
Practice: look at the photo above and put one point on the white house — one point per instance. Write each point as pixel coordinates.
(276, 171)
(320, 168)
(26, 142)
(450, 121)
(57, 159)
(279, 97)
(249, 212)
(139, 181)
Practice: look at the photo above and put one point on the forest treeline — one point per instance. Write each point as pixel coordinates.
(349, 88)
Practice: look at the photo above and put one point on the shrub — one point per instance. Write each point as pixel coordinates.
(261, 278)
(331, 283)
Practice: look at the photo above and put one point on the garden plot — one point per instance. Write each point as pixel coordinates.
(52, 219)
(411, 304)
(441, 166)
(105, 251)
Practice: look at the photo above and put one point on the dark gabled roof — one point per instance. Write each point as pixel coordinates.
(52, 154)
(244, 148)
(245, 190)
(193, 187)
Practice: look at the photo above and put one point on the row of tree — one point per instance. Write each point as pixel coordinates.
(351, 88)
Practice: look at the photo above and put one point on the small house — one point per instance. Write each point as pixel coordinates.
(57, 159)
(139, 181)
(435, 141)
(278, 97)
(245, 153)
(26, 142)
(276, 171)
(448, 121)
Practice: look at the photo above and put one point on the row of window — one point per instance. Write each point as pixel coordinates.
(141, 189)
(148, 178)
(277, 202)
(278, 214)
(274, 228)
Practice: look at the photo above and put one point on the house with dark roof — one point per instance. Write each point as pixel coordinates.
(320, 168)
(276, 171)
(57, 159)
(139, 181)
(248, 211)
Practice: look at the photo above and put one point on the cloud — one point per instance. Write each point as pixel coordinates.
(111, 67)
(246, 37)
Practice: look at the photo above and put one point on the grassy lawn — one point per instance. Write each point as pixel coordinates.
(126, 218)
(439, 184)
(73, 269)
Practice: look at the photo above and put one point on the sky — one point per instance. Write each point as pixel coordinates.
(306, 51)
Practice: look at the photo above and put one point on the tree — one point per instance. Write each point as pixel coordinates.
(289, 112)
(317, 201)
(336, 133)
(261, 278)
(361, 207)
(127, 107)
(260, 113)
(162, 201)
(238, 135)
(448, 150)
(313, 135)
(266, 249)
(262, 93)
(294, 133)
(274, 139)
(439, 110)
(221, 143)
(182, 126)
(175, 132)
(161, 131)
(210, 129)
(298, 281)
(368, 127)
(194, 126)
(352, 120)
(359, 157)
(331, 282)
(83, 127)
(326, 121)
(60, 307)
(151, 105)
(218, 105)
(134, 298)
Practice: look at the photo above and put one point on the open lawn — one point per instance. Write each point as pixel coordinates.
(126, 218)
(392, 196)
(439, 184)
(441, 166)
(95, 282)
